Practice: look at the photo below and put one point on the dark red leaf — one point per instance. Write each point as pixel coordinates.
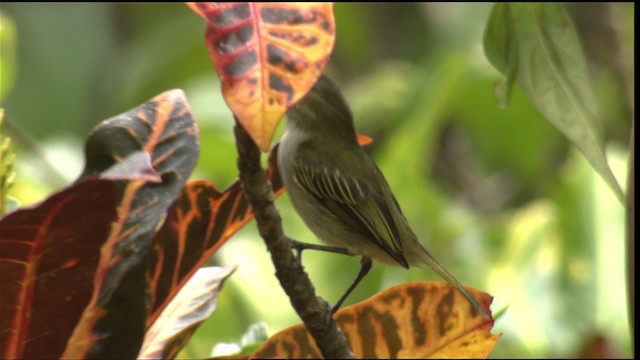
(48, 255)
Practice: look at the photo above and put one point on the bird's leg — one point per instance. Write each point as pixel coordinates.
(300, 246)
(365, 266)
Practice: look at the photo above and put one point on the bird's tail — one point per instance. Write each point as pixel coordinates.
(428, 259)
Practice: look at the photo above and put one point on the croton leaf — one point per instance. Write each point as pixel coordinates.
(136, 165)
(114, 322)
(200, 221)
(193, 304)
(413, 320)
(48, 254)
(197, 224)
(268, 55)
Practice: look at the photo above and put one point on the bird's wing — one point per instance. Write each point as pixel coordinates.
(365, 210)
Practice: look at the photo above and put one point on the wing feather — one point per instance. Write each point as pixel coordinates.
(357, 203)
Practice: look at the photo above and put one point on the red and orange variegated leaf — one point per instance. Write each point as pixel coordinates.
(268, 55)
(113, 323)
(48, 254)
(414, 320)
(193, 304)
(200, 221)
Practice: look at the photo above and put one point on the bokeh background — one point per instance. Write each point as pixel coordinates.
(498, 195)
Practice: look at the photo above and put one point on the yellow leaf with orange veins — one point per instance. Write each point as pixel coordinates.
(414, 320)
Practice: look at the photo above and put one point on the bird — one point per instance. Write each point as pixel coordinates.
(341, 194)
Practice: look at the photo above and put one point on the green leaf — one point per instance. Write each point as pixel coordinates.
(251, 340)
(537, 45)
(501, 49)
(255, 335)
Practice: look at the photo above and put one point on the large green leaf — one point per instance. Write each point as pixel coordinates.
(537, 46)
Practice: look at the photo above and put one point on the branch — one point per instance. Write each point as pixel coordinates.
(631, 233)
(313, 310)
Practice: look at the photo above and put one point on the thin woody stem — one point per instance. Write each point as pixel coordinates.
(313, 310)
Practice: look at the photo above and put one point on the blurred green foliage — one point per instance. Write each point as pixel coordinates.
(8, 58)
(498, 195)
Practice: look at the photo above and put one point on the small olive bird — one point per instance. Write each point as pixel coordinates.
(340, 193)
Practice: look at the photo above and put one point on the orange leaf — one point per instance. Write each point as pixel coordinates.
(363, 140)
(413, 320)
(200, 221)
(268, 56)
(197, 224)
